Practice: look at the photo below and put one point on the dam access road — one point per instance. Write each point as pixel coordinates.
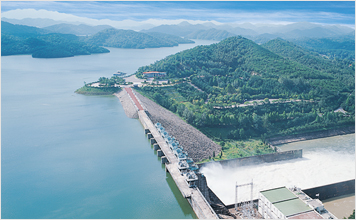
(195, 198)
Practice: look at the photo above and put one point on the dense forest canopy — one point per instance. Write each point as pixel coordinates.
(338, 48)
(300, 89)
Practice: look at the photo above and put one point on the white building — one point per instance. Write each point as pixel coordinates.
(151, 74)
(281, 203)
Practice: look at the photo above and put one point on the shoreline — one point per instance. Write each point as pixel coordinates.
(310, 136)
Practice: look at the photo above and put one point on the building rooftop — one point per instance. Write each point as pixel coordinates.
(278, 194)
(148, 72)
(307, 215)
(292, 207)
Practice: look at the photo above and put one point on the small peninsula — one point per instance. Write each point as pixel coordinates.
(104, 86)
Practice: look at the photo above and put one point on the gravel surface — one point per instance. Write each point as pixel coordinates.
(127, 104)
(198, 145)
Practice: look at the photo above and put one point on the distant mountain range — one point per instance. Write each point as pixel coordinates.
(333, 41)
(61, 40)
(261, 33)
(40, 43)
(185, 29)
(80, 29)
(131, 39)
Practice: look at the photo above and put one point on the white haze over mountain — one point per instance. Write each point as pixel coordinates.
(42, 18)
(34, 17)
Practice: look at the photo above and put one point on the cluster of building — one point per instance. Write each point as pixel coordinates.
(282, 203)
(151, 74)
(186, 165)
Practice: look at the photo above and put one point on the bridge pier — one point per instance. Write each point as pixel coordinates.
(164, 160)
(153, 141)
(156, 147)
(160, 153)
(197, 201)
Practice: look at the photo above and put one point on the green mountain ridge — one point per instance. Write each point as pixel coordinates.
(235, 55)
(21, 31)
(310, 59)
(131, 39)
(41, 43)
(80, 29)
(21, 39)
(170, 38)
(210, 34)
(249, 91)
(342, 47)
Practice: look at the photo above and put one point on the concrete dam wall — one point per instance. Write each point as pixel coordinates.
(332, 190)
(258, 159)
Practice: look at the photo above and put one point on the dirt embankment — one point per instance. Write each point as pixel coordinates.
(198, 145)
(312, 135)
(127, 104)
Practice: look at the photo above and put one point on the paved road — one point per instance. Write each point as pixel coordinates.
(133, 97)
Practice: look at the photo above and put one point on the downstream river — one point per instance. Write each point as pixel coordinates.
(65, 155)
(325, 161)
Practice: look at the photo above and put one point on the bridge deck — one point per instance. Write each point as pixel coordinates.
(200, 206)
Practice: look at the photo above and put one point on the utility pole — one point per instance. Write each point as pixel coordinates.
(246, 207)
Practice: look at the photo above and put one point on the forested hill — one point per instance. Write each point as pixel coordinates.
(246, 70)
(299, 94)
(235, 56)
(21, 30)
(22, 39)
(80, 29)
(175, 40)
(342, 47)
(132, 39)
(310, 59)
(210, 34)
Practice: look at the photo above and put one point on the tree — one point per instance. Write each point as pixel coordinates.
(188, 115)
(242, 133)
(352, 216)
(180, 109)
(230, 89)
(266, 100)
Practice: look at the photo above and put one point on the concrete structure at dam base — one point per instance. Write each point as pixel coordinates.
(258, 159)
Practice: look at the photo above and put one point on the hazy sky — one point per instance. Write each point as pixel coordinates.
(324, 12)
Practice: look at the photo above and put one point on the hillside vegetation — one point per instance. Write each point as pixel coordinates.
(333, 48)
(21, 39)
(80, 29)
(288, 91)
(44, 43)
(132, 39)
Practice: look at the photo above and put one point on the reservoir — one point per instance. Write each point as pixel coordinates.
(325, 161)
(65, 155)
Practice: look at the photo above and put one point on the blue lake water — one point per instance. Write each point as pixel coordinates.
(65, 155)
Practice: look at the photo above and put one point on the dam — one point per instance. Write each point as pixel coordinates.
(189, 189)
(289, 167)
(325, 161)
